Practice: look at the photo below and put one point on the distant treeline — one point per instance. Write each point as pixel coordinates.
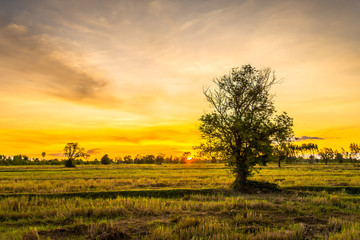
(25, 160)
(146, 159)
(310, 152)
(297, 154)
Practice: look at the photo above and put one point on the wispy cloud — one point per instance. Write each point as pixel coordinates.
(45, 65)
(94, 151)
(304, 138)
(56, 154)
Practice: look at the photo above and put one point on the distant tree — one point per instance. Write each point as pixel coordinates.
(149, 159)
(72, 151)
(176, 160)
(105, 160)
(242, 124)
(299, 150)
(314, 150)
(138, 159)
(128, 159)
(17, 160)
(346, 155)
(339, 157)
(354, 150)
(43, 154)
(96, 161)
(282, 137)
(292, 150)
(303, 148)
(311, 149)
(327, 154)
(160, 158)
(119, 160)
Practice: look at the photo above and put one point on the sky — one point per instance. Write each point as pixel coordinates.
(127, 77)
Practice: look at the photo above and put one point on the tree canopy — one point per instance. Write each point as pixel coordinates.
(105, 160)
(73, 151)
(243, 125)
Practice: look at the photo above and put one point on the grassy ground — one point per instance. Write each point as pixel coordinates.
(177, 202)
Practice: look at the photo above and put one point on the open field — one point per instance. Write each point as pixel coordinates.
(181, 201)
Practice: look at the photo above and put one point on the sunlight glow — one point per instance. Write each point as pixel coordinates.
(70, 78)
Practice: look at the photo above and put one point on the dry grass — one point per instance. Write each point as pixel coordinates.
(107, 231)
(295, 214)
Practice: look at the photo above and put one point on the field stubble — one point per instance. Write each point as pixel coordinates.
(177, 202)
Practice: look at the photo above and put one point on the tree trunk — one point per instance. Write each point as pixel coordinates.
(70, 163)
(241, 179)
(281, 158)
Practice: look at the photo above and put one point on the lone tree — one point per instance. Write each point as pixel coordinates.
(242, 126)
(73, 151)
(105, 160)
(43, 154)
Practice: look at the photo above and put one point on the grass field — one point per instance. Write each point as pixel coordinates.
(182, 201)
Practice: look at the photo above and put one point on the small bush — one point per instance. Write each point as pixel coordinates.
(70, 163)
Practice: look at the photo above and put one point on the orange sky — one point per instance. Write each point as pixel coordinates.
(126, 77)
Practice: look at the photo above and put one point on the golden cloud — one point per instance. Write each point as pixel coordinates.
(42, 63)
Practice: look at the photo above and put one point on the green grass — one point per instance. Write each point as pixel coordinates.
(177, 202)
